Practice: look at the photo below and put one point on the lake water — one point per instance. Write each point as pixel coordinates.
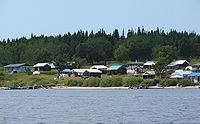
(100, 106)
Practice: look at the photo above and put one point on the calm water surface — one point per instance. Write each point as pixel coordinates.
(100, 106)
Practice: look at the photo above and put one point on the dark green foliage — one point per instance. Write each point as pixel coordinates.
(83, 47)
(184, 82)
(169, 82)
(148, 83)
(132, 82)
(1, 76)
(28, 71)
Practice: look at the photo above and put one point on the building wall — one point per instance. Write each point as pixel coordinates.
(44, 68)
(20, 69)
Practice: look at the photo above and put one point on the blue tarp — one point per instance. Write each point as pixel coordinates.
(194, 74)
(157, 84)
(67, 70)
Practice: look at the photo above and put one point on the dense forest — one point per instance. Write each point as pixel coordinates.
(88, 47)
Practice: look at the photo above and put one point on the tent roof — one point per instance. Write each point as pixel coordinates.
(194, 74)
(67, 70)
(176, 76)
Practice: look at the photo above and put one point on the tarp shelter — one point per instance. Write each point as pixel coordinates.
(194, 76)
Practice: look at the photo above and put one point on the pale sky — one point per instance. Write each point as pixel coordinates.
(20, 18)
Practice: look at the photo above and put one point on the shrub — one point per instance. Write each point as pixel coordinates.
(105, 82)
(71, 82)
(169, 82)
(156, 80)
(93, 82)
(184, 82)
(132, 82)
(147, 83)
(1, 74)
(116, 82)
(28, 71)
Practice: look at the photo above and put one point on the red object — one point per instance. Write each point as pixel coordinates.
(160, 86)
(166, 85)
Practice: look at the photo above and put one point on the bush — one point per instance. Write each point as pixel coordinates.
(71, 82)
(184, 82)
(105, 82)
(156, 80)
(93, 82)
(132, 82)
(116, 82)
(28, 71)
(169, 82)
(1, 74)
(147, 83)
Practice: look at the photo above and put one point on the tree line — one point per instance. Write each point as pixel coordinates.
(85, 47)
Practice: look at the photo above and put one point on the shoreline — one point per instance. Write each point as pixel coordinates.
(107, 88)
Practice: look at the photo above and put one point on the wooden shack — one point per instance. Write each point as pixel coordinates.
(149, 75)
(42, 67)
(92, 73)
(179, 64)
(102, 68)
(116, 69)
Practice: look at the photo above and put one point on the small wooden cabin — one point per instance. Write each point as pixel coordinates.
(179, 64)
(42, 67)
(131, 63)
(86, 72)
(149, 75)
(92, 73)
(102, 68)
(148, 65)
(116, 69)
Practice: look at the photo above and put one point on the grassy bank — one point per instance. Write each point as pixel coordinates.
(47, 78)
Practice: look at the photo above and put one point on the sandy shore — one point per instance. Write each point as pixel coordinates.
(152, 87)
(78, 88)
(63, 87)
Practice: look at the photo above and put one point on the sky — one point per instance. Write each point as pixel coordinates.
(19, 18)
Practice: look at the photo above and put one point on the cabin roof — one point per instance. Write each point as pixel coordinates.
(178, 62)
(15, 65)
(197, 64)
(149, 63)
(115, 67)
(99, 67)
(41, 64)
(149, 73)
(136, 63)
(84, 70)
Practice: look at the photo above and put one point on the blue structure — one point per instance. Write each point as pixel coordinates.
(67, 70)
(195, 77)
(116, 69)
(17, 68)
